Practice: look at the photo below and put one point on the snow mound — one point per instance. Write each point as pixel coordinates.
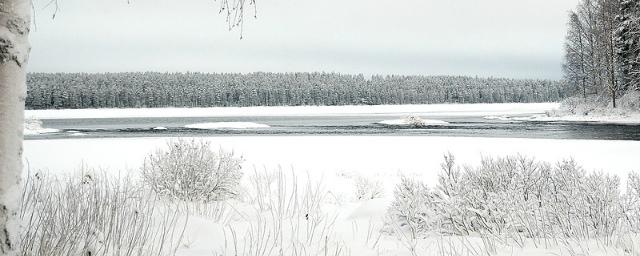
(33, 126)
(413, 121)
(370, 209)
(227, 125)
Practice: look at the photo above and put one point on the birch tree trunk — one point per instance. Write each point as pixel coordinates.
(15, 21)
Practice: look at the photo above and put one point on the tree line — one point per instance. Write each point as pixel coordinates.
(602, 51)
(154, 89)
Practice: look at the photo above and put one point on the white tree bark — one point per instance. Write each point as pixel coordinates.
(15, 21)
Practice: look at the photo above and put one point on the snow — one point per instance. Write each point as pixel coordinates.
(37, 131)
(374, 208)
(227, 125)
(405, 122)
(428, 109)
(633, 119)
(339, 160)
(359, 155)
(33, 126)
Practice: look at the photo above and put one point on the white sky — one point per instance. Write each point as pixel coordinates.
(506, 38)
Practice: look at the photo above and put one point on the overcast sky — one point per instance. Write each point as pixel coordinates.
(505, 38)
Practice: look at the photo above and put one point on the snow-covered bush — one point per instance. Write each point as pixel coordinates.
(502, 192)
(571, 104)
(599, 105)
(189, 170)
(450, 204)
(603, 203)
(271, 190)
(631, 203)
(516, 197)
(286, 218)
(412, 209)
(630, 100)
(366, 188)
(450, 176)
(95, 214)
(580, 204)
(580, 106)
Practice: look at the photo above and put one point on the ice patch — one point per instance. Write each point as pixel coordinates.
(532, 118)
(501, 118)
(33, 126)
(227, 125)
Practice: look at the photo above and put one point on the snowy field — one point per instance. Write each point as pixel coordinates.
(328, 154)
(339, 163)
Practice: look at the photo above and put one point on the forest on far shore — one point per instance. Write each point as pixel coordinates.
(155, 89)
(602, 50)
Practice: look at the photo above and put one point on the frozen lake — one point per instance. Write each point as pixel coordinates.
(455, 120)
(319, 141)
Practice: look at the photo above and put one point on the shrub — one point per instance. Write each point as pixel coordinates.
(630, 206)
(367, 188)
(599, 105)
(94, 214)
(581, 106)
(189, 170)
(630, 100)
(449, 196)
(412, 208)
(571, 104)
(515, 197)
(287, 219)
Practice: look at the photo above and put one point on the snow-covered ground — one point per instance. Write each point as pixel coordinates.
(369, 155)
(430, 109)
(631, 119)
(576, 110)
(627, 118)
(338, 162)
